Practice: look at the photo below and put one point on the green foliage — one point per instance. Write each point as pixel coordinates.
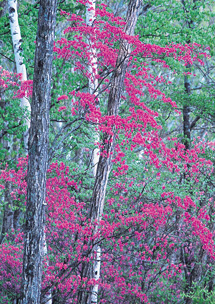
(163, 24)
(200, 295)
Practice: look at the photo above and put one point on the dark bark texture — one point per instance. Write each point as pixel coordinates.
(7, 223)
(38, 154)
(8, 213)
(194, 273)
(104, 164)
(3, 7)
(186, 116)
(117, 84)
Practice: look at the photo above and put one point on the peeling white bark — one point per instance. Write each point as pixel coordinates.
(105, 164)
(20, 66)
(96, 270)
(48, 297)
(93, 70)
(90, 12)
(93, 83)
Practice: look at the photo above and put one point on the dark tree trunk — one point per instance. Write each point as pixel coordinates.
(7, 223)
(38, 154)
(104, 164)
(195, 273)
(187, 126)
(117, 84)
(186, 115)
(3, 7)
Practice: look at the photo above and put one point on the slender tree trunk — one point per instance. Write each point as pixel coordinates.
(10, 217)
(93, 83)
(193, 275)
(20, 69)
(20, 66)
(7, 222)
(117, 84)
(3, 7)
(93, 70)
(38, 154)
(104, 164)
(186, 115)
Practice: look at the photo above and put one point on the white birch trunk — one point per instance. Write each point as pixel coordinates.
(20, 66)
(105, 164)
(93, 83)
(96, 272)
(48, 297)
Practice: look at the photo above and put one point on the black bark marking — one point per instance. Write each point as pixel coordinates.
(11, 10)
(40, 64)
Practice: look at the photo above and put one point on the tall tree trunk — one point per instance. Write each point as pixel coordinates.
(7, 222)
(93, 70)
(193, 274)
(93, 83)
(10, 217)
(20, 66)
(38, 154)
(104, 164)
(186, 115)
(3, 7)
(116, 86)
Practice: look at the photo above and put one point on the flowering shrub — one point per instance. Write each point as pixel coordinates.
(153, 231)
(139, 243)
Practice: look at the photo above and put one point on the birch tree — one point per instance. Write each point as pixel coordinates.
(20, 66)
(8, 218)
(104, 164)
(38, 154)
(93, 70)
(93, 84)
